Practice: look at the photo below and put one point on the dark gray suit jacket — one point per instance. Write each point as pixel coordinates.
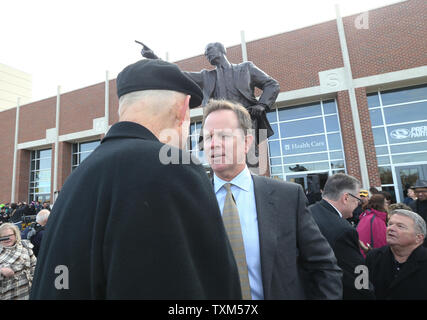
(246, 77)
(296, 260)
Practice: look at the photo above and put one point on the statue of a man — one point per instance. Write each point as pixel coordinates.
(236, 82)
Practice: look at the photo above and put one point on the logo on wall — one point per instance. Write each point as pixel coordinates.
(412, 133)
(400, 133)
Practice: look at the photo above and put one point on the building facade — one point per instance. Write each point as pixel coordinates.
(353, 99)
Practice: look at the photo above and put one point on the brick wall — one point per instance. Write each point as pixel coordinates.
(368, 138)
(396, 39)
(89, 101)
(35, 118)
(348, 135)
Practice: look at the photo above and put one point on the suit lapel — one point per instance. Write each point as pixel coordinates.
(267, 228)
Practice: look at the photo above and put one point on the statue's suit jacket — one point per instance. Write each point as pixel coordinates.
(246, 77)
(297, 262)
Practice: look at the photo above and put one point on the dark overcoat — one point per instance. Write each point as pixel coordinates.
(127, 226)
(411, 281)
(344, 240)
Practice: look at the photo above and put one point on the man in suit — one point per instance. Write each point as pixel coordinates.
(399, 270)
(280, 244)
(143, 229)
(339, 201)
(236, 82)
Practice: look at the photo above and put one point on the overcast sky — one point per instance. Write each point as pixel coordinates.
(73, 43)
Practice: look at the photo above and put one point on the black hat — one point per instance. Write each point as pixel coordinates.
(420, 184)
(156, 74)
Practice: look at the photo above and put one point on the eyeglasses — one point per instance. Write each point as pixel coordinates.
(360, 200)
(6, 238)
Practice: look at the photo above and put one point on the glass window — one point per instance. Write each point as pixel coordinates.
(307, 167)
(336, 155)
(338, 171)
(334, 141)
(302, 127)
(276, 169)
(411, 157)
(274, 148)
(405, 113)
(329, 107)
(383, 160)
(337, 164)
(415, 93)
(81, 151)
(407, 132)
(305, 158)
(275, 128)
(272, 116)
(83, 156)
(276, 161)
(385, 175)
(303, 111)
(379, 136)
(409, 147)
(376, 117)
(45, 153)
(45, 163)
(40, 175)
(304, 145)
(381, 150)
(373, 100)
(193, 142)
(88, 146)
(332, 123)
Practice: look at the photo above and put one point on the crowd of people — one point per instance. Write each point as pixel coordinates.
(22, 227)
(152, 225)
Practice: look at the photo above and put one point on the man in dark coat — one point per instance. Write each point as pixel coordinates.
(330, 213)
(399, 270)
(285, 255)
(420, 205)
(148, 225)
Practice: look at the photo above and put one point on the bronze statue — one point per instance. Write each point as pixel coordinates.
(235, 82)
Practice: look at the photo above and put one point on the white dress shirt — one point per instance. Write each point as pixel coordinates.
(242, 187)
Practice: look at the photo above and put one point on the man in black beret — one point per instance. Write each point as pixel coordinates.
(147, 227)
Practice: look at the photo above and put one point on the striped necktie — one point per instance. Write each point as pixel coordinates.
(230, 216)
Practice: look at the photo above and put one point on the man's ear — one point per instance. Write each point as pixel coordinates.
(249, 139)
(182, 110)
(419, 238)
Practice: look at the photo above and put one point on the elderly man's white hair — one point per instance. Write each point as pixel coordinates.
(42, 217)
(156, 101)
(419, 223)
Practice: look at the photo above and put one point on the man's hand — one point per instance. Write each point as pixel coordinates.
(7, 272)
(365, 248)
(256, 111)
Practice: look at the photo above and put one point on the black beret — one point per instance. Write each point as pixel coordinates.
(155, 74)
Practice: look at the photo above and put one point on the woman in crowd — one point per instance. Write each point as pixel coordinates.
(373, 223)
(17, 264)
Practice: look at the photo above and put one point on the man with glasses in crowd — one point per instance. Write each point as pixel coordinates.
(420, 205)
(338, 203)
